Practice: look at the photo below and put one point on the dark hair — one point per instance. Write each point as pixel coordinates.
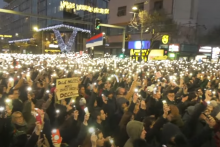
(97, 112)
(171, 91)
(148, 121)
(180, 140)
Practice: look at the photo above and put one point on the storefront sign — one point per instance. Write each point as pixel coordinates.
(73, 7)
(160, 58)
(6, 36)
(174, 48)
(138, 44)
(205, 49)
(215, 52)
(53, 46)
(171, 55)
(67, 88)
(165, 39)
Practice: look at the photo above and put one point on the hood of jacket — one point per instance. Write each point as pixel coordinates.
(134, 129)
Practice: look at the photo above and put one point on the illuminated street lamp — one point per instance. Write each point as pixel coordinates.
(35, 29)
(134, 8)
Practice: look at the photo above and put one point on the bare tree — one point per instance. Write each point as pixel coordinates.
(155, 23)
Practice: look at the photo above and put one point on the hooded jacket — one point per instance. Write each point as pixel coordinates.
(134, 130)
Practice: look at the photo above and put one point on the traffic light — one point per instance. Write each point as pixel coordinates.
(97, 23)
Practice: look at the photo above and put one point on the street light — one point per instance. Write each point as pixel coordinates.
(35, 29)
(134, 8)
(16, 34)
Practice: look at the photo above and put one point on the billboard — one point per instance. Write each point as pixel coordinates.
(137, 45)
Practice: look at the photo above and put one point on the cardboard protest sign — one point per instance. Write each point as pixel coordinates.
(67, 88)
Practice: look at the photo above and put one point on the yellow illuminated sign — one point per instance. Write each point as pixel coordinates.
(160, 58)
(69, 6)
(165, 39)
(6, 36)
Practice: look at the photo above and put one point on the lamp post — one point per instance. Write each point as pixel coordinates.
(36, 29)
(136, 11)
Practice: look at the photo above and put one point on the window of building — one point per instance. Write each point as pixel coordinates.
(158, 5)
(122, 11)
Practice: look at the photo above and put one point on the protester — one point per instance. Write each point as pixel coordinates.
(109, 102)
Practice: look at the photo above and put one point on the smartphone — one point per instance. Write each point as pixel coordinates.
(164, 101)
(56, 136)
(38, 118)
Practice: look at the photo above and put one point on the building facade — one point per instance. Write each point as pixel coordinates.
(121, 14)
(194, 17)
(22, 27)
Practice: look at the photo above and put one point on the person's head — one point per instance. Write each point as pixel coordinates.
(171, 95)
(149, 122)
(121, 91)
(122, 103)
(82, 90)
(100, 115)
(174, 113)
(108, 85)
(16, 94)
(31, 95)
(157, 95)
(86, 116)
(17, 118)
(135, 130)
(75, 113)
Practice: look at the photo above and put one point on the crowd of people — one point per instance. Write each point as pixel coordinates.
(120, 102)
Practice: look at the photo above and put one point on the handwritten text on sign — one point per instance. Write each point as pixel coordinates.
(67, 88)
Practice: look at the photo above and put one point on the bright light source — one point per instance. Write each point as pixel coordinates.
(35, 28)
(91, 130)
(103, 33)
(16, 34)
(134, 8)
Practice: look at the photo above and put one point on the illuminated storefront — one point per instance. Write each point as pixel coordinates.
(215, 53)
(52, 48)
(173, 51)
(182, 51)
(204, 53)
(208, 53)
(138, 47)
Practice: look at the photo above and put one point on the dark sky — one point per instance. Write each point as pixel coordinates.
(2, 3)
